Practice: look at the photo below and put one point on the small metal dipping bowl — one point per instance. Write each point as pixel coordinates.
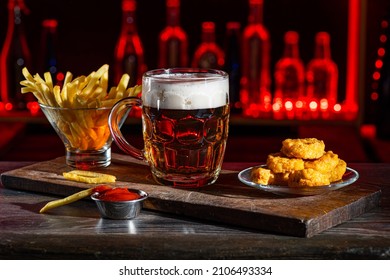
(120, 210)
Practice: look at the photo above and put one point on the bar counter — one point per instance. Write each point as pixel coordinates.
(76, 231)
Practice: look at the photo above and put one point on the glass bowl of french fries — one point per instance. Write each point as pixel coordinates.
(78, 111)
(85, 134)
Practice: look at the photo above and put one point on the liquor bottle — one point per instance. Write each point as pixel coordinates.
(173, 41)
(233, 63)
(322, 74)
(129, 52)
(48, 61)
(15, 55)
(289, 75)
(208, 54)
(255, 93)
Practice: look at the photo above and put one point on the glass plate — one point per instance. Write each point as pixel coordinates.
(349, 177)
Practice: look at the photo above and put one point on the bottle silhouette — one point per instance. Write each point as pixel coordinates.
(255, 93)
(322, 73)
(173, 42)
(289, 75)
(15, 55)
(48, 60)
(208, 54)
(233, 63)
(129, 52)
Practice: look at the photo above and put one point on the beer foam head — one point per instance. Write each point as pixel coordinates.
(185, 91)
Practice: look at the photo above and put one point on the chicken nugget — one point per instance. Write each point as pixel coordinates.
(305, 148)
(337, 173)
(308, 178)
(261, 175)
(324, 164)
(279, 179)
(265, 176)
(281, 164)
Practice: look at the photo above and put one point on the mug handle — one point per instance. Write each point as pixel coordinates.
(115, 119)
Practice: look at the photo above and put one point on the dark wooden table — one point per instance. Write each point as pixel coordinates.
(77, 232)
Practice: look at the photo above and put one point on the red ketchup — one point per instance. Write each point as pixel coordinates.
(118, 194)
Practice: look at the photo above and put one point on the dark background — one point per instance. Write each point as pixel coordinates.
(88, 29)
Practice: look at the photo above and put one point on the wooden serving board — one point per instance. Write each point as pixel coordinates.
(228, 201)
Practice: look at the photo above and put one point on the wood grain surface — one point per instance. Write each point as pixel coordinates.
(228, 201)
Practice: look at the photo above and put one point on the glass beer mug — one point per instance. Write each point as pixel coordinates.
(185, 120)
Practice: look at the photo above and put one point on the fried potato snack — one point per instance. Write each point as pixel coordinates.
(85, 129)
(82, 92)
(89, 177)
(72, 198)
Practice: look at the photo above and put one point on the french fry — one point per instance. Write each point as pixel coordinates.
(124, 81)
(89, 177)
(38, 79)
(72, 198)
(27, 75)
(84, 129)
(68, 78)
(104, 81)
(48, 80)
(57, 95)
(67, 200)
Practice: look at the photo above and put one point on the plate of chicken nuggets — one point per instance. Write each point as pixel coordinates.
(302, 167)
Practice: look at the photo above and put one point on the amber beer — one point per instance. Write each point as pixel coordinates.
(185, 121)
(185, 117)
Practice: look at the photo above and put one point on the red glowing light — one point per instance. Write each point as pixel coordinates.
(8, 106)
(128, 6)
(384, 24)
(323, 104)
(299, 104)
(376, 76)
(337, 107)
(353, 56)
(368, 131)
(379, 63)
(383, 38)
(276, 107)
(374, 96)
(267, 98)
(313, 105)
(1, 106)
(33, 107)
(51, 23)
(60, 76)
(288, 105)
(381, 51)
(278, 100)
(267, 107)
